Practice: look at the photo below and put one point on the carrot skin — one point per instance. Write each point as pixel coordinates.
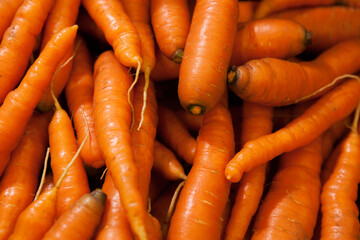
(164, 69)
(8, 11)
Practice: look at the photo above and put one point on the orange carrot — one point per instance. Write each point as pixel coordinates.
(18, 42)
(19, 181)
(175, 135)
(81, 219)
(158, 185)
(276, 82)
(8, 10)
(290, 208)
(79, 93)
(256, 122)
(166, 163)
(332, 107)
(63, 14)
(260, 39)
(171, 24)
(19, 104)
(164, 68)
(330, 163)
(48, 183)
(192, 122)
(339, 210)
(208, 48)
(198, 213)
(342, 23)
(246, 10)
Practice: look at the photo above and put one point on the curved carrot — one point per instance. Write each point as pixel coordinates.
(19, 181)
(18, 42)
(171, 24)
(256, 122)
(260, 38)
(164, 68)
(339, 210)
(276, 82)
(63, 14)
(8, 10)
(175, 135)
(19, 104)
(290, 208)
(166, 163)
(207, 54)
(198, 213)
(330, 108)
(81, 219)
(79, 93)
(342, 23)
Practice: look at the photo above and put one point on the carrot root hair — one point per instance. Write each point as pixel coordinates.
(43, 174)
(129, 93)
(146, 87)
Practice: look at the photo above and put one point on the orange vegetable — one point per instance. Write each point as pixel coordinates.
(8, 10)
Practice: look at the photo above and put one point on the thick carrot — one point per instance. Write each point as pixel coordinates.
(175, 134)
(166, 163)
(276, 82)
(8, 10)
(199, 210)
(256, 122)
(260, 38)
(171, 24)
(19, 104)
(81, 219)
(290, 208)
(332, 107)
(19, 181)
(342, 23)
(112, 123)
(18, 42)
(79, 93)
(164, 68)
(208, 48)
(114, 223)
(63, 14)
(339, 210)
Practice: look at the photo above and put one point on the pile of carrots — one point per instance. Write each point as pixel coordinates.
(179, 119)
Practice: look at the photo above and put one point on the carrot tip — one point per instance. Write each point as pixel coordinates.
(196, 109)
(177, 56)
(99, 196)
(232, 75)
(308, 38)
(233, 174)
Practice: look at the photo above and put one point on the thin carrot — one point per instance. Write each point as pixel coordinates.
(171, 24)
(175, 134)
(48, 183)
(79, 93)
(19, 104)
(18, 42)
(86, 211)
(202, 80)
(19, 181)
(290, 208)
(332, 107)
(330, 163)
(276, 82)
(256, 122)
(8, 10)
(164, 68)
(198, 213)
(339, 210)
(166, 163)
(192, 122)
(260, 38)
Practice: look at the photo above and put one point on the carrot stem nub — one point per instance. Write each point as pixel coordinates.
(232, 75)
(196, 109)
(178, 55)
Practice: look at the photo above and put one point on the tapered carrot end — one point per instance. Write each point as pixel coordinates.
(195, 109)
(177, 56)
(308, 38)
(99, 195)
(232, 75)
(233, 174)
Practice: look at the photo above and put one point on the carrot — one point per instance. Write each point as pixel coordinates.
(158, 185)
(276, 82)
(207, 53)
(330, 162)
(63, 147)
(166, 163)
(164, 68)
(339, 210)
(113, 119)
(332, 107)
(198, 213)
(63, 14)
(8, 10)
(86, 211)
(246, 10)
(19, 181)
(48, 183)
(18, 42)
(19, 104)
(256, 122)
(192, 122)
(171, 24)
(175, 135)
(290, 208)
(79, 93)
(260, 38)
(342, 23)
(114, 223)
